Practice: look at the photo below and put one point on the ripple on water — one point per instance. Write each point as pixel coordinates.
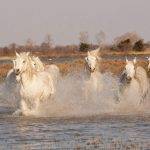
(92, 132)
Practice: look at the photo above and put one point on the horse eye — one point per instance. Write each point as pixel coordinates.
(24, 61)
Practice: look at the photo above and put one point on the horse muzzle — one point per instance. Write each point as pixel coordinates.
(17, 71)
(129, 79)
(92, 70)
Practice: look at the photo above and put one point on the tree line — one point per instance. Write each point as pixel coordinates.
(125, 42)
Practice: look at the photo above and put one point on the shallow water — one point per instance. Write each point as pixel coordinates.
(101, 132)
(97, 132)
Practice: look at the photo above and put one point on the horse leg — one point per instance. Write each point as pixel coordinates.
(117, 97)
(143, 97)
(24, 106)
(86, 94)
(22, 109)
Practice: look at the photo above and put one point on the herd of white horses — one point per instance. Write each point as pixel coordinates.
(38, 82)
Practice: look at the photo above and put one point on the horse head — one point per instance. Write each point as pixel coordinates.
(21, 63)
(92, 59)
(130, 70)
(37, 64)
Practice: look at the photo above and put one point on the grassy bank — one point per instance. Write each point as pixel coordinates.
(75, 53)
(125, 53)
(114, 67)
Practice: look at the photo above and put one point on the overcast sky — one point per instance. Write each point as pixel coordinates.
(64, 19)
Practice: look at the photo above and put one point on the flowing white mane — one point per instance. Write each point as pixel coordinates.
(37, 63)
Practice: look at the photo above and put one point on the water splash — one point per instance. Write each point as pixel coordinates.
(70, 101)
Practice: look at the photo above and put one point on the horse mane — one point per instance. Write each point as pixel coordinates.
(30, 70)
(141, 74)
(95, 52)
(38, 63)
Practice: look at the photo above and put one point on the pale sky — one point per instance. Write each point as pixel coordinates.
(64, 19)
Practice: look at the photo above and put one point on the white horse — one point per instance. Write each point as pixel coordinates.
(35, 86)
(93, 80)
(134, 83)
(52, 69)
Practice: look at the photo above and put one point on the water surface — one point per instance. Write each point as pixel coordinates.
(100, 132)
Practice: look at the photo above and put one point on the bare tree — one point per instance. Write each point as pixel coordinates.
(48, 40)
(12, 46)
(29, 43)
(84, 37)
(100, 37)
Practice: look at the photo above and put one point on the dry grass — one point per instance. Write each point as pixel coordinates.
(45, 53)
(76, 53)
(124, 53)
(114, 67)
(4, 69)
(59, 53)
(70, 67)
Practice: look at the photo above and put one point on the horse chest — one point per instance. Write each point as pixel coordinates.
(31, 90)
(132, 88)
(92, 82)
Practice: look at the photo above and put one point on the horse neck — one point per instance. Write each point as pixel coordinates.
(27, 76)
(40, 65)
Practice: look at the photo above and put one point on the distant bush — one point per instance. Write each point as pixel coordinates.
(83, 47)
(125, 45)
(129, 41)
(139, 45)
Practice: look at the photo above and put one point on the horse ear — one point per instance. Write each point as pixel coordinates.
(148, 58)
(95, 52)
(28, 53)
(127, 60)
(17, 54)
(135, 60)
(86, 58)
